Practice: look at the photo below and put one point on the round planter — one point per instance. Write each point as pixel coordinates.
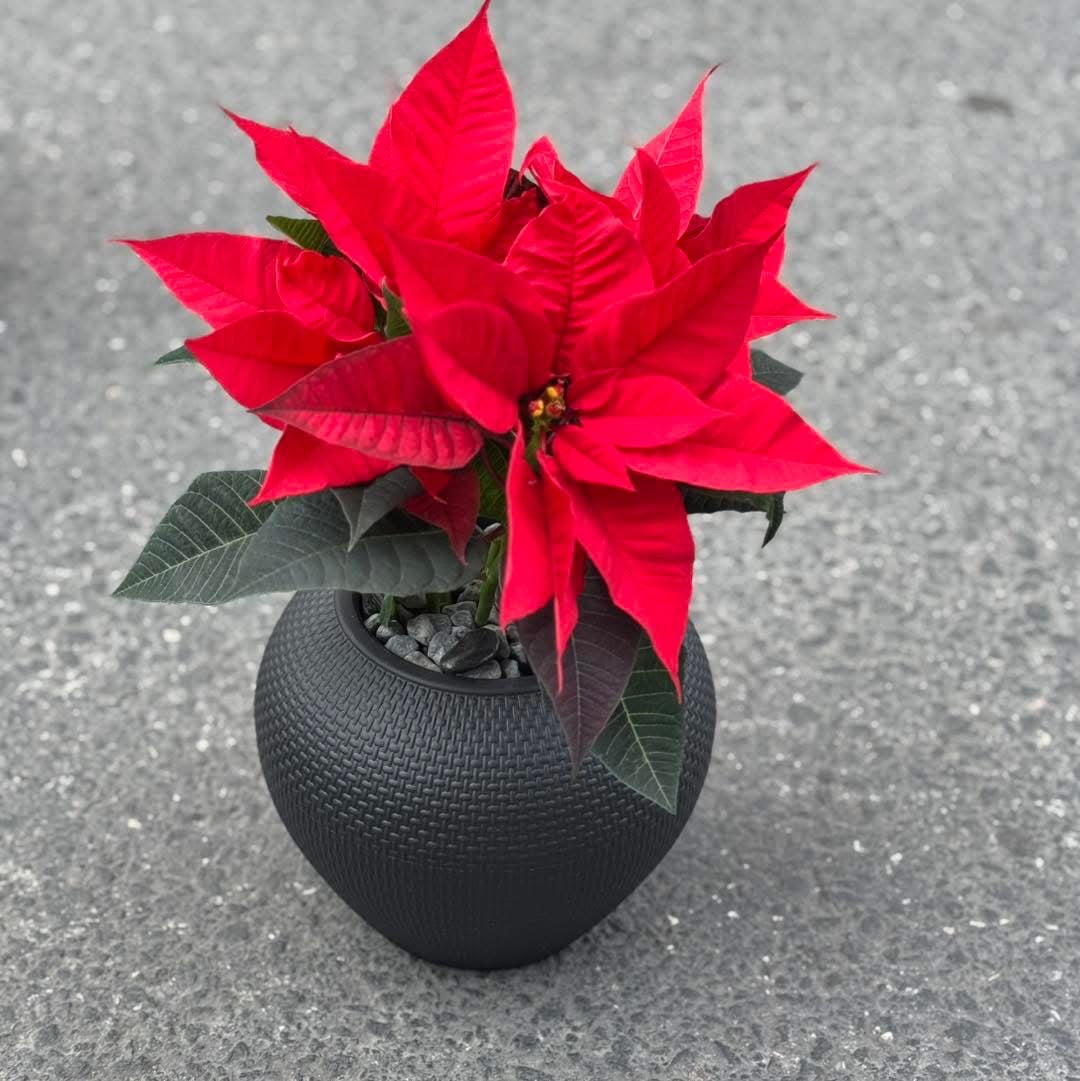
(443, 809)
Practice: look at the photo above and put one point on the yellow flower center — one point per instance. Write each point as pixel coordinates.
(547, 409)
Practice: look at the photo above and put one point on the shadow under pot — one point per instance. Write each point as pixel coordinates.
(443, 810)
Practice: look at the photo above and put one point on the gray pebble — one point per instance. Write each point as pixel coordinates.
(384, 634)
(401, 645)
(462, 619)
(487, 670)
(474, 648)
(372, 622)
(440, 642)
(424, 627)
(511, 669)
(504, 645)
(517, 651)
(470, 593)
(403, 614)
(512, 632)
(460, 606)
(421, 661)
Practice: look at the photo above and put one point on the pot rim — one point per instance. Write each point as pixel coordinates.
(348, 612)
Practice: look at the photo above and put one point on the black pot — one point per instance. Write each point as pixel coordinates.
(442, 809)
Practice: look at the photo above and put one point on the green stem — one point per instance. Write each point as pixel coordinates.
(490, 581)
(532, 447)
(388, 609)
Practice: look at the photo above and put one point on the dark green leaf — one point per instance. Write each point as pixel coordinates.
(704, 501)
(642, 744)
(183, 355)
(491, 465)
(306, 232)
(595, 665)
(396, 325)
(773, 373)
(366, 504)
(305, 545)
(774, 515)
(194, 553)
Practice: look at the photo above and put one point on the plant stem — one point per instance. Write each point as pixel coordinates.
(532, 447)
(388, 609)
(490, 581)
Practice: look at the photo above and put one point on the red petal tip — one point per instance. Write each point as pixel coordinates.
(777, 234)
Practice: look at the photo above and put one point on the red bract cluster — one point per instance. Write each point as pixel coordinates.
(602, 339)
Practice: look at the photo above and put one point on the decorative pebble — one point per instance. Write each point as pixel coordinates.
(401, 645)
(440, 642)
(504, 645)
(421, 661)
(473, 649)
(424, 627)
(487, 670)
(460, 606)
(448, 640)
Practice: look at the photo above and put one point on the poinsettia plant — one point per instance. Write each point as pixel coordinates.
(499, 376)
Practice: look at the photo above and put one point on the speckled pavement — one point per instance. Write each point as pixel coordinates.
(882, 879)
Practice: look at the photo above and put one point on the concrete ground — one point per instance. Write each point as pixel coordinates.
(882, 877)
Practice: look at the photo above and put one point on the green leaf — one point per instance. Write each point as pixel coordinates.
(305, 545)
(596, 663)
(194, 554)
(307, 232)
(705, 501)
(396, 325)
(491, 466)
(773, 373)
(366, 504)
(642, 744)
(183, 355)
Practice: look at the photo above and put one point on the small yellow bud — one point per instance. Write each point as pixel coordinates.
(551, 393)
(536, 408)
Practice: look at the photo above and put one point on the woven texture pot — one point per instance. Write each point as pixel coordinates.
(443, 809)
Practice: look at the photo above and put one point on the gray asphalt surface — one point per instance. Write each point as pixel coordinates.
(882, 877)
